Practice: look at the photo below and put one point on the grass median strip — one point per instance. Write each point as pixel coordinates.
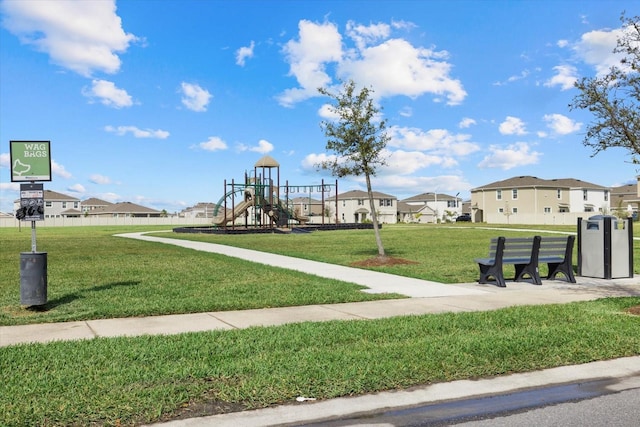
(94, 275)
(127, 381)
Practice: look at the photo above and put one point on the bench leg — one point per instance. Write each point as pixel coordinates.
(487, 271)
(528, 269)
(561, 267)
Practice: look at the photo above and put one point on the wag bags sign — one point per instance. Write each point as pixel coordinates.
(31, 203)
(30, 161)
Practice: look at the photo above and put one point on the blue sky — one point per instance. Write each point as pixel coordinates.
(158, 102)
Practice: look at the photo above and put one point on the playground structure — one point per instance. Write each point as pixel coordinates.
(256, 203)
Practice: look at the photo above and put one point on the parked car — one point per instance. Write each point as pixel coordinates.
(465, 217)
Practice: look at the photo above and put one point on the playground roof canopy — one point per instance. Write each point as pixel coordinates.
(267, 162)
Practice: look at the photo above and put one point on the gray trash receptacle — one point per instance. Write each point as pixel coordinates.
(605, 247)
(33, 278)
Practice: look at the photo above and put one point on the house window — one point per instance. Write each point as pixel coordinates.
(75, 205)
(500, 210)
(588, 209)
(64, 205)
(559, 193)
(498, 194)
(563, 210)
(47, 204)
(514, 210)
(585, 195)
(344, 203)
(514, 194)
(547, 209)
(360, 202)
(606, 196)
(452, 204)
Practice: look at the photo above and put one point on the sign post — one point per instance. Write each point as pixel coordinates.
(30, 162)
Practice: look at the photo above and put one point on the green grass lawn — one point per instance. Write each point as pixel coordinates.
(129, 381)
(93, 275)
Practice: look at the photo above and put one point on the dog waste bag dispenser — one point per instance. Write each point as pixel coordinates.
(605, 247)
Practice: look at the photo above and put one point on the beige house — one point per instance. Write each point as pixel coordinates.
(429, 207)
(94, 203)
(626, 199)
(532, 200)
(57, 205)
(353, 207)
(125, 210)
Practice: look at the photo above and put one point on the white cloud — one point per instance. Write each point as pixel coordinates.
(59, 170)
(318, 44)
(402, 162)
(108, 94)
(311, 161)
(561, 125)
(77, 188)
(524, 74)
(214, 143)
(137, 132)
(396, 67)
(263, 147)
(512, 126)
(437, 141)
(328, 111)
(194, 97)
(514, 155)
(243, 53)
(595, 48)
(391, 66)
(365, 35)
(400, 183)
(566, 76)
(82, 36)
(5, 160)
(99, 179)
(406, 112)
(466, 123)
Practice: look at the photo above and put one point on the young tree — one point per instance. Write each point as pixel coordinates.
(357, 137)
(614, 98)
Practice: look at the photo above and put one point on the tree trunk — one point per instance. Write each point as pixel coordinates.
(374, 217)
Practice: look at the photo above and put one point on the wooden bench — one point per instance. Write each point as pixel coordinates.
(522, 252)
(557, 253)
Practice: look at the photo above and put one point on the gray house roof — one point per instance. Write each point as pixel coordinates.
(533, 181)
(429, 197)
(359, 194)
(123, 208)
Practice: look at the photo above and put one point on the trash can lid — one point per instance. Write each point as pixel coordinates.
(597, 217)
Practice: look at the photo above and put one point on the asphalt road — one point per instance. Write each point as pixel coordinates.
(621, 409)
(602, 402)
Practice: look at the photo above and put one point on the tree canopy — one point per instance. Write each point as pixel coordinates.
(614, 98)
(357, 138)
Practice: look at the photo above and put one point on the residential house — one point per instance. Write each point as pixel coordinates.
(353, 207)
(532, 200)
(94, 203)
(625, 199)
(57, 205)
(430, 207)
(125, 210)
(305, 207)
(200, 210)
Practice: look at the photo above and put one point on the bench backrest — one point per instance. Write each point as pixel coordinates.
(515, 247)
(557, 247)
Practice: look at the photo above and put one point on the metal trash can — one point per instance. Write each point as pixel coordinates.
(605, 247)
(33, 278)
